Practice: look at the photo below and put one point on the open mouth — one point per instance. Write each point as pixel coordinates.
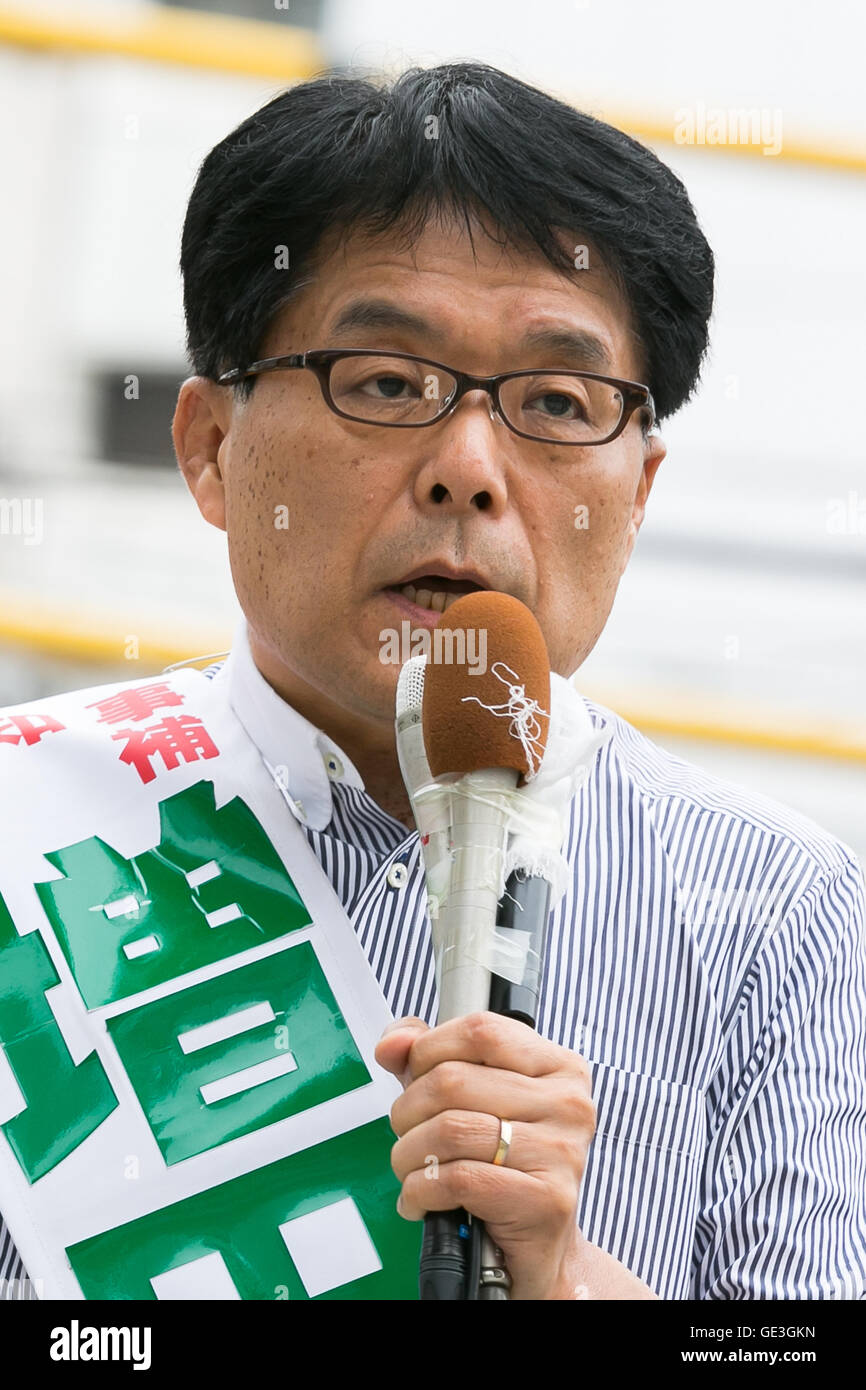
(434, 591)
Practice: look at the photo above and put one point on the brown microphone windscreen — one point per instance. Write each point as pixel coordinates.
(486, 688)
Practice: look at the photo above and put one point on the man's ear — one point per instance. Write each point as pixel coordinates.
(655, 450)
(201, 424)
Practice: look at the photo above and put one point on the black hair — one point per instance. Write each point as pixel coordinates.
(343, 152)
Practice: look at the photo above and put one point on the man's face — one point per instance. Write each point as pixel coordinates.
(367, 506)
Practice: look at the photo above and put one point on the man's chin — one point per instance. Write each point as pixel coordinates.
(367, 688)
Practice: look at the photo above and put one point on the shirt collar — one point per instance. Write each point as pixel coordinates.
(302, 759)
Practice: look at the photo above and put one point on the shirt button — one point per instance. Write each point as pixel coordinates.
(334, 766)
(398, 875)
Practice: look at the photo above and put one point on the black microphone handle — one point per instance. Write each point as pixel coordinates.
(445, 1261)
(525, 906)
(444, 1266)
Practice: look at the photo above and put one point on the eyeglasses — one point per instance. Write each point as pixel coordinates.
(402, 391)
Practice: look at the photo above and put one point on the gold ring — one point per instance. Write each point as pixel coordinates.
(504, 1142)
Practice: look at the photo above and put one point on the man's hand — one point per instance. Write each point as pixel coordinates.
(459, 1079)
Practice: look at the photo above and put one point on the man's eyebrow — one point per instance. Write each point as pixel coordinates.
(575, 344)
(378, 313)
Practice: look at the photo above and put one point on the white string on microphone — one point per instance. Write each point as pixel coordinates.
(521, 710)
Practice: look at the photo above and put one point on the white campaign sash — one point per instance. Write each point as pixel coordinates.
(189, 1105)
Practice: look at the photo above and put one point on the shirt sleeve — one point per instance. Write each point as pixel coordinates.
(783, 1208)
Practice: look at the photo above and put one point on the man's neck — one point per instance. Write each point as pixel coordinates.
(371, 747)
(380, 784)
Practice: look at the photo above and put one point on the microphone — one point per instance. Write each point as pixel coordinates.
(446, 1252)
(483, 735)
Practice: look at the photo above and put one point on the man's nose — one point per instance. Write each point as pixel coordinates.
(464, 470)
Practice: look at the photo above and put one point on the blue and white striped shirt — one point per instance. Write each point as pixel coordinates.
(709, 962)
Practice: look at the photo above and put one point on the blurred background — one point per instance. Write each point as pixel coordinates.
(738, 638)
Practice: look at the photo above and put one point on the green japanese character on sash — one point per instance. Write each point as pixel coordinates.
(213, 886)
(318, 1224)
(281, 1046)
(64, 1102)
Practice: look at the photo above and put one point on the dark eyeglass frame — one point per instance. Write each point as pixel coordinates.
(320, 361)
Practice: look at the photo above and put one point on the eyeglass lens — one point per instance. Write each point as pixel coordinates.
(549, 406)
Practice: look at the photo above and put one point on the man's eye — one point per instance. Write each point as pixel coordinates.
(386, 387)
(558, 405)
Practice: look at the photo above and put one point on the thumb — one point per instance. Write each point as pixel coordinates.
(395, 1044)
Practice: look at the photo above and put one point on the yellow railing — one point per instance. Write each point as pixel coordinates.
(253, 48)
(260, 48)
(823, 154)
(66, 635)
(105, 641)
(765, 734)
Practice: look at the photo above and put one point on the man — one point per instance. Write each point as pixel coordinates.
(690, 1120)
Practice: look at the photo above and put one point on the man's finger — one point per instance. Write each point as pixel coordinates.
(395, 1044)
(468, 1134)
(492, 1194)
(564, 1102)
(493, 1041)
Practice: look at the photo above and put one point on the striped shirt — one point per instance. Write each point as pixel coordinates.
(708, 960)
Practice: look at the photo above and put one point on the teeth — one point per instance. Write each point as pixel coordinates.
(425, 598)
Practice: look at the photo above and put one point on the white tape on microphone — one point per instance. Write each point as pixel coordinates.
(536, 814)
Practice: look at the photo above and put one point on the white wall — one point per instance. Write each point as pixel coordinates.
(659, 55)
(97, 161)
